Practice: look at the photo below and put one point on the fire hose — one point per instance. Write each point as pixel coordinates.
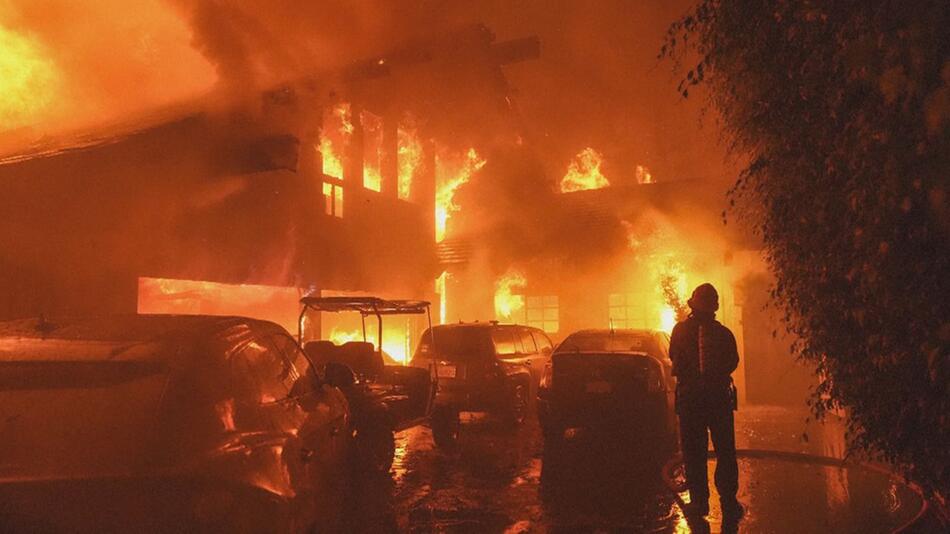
(677, 487)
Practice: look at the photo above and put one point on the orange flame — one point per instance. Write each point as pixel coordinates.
(441, 290)
(409, 158)
(507, 304)
(189, 297)
(447, 184)
(672, 292)
(28, 81)
(583, 173)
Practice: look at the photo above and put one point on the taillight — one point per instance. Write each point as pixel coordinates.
(548, 376)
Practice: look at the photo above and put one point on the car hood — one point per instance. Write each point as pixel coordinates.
(78, 419)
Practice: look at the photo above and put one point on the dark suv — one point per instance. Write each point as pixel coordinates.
(483, 367)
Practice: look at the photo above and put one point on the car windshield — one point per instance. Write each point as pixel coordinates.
(461, 344)
(608, 342)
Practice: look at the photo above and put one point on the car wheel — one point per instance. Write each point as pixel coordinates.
(375, 448)
(552, 466)
(445, 426)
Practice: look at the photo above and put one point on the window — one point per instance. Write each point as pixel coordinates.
(333, 199)
(544, 344)
(542, 313)
(527, 343)
(626, 311)
(504, 342)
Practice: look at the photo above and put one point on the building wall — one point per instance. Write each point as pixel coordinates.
(194, 199)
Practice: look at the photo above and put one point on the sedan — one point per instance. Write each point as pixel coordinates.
(610, 385)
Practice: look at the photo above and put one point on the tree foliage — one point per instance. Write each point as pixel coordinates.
(842, 108)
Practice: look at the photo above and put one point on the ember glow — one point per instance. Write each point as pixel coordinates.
(450, 175)
(28, 80)
(584, 173)
(508, 304)
(643, 175)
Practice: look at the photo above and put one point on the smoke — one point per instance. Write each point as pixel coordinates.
(81, 63)
(512, 208)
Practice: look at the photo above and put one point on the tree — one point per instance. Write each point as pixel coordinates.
(843, 111)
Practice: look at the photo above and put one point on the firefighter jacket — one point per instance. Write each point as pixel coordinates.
(703, 352)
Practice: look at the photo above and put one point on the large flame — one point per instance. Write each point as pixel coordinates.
(29, 82)
(507, 303)
(409, 158)
(584, 172)
(449, 178)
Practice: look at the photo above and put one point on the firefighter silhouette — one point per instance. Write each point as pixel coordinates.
(704, 356)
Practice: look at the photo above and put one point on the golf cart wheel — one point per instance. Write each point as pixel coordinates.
(445, 426)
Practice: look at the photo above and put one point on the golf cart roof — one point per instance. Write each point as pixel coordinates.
(366, 305)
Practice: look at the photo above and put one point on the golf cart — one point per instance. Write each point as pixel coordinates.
(383, 398)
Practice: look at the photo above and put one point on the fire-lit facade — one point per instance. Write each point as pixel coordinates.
(331, 185)
(188, 216)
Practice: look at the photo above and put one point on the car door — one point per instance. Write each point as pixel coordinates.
(533, 358)
(545, 347)
(317, 416)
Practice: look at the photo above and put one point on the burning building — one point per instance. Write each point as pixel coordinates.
(580, 252)
(406, 174)
(334, 183)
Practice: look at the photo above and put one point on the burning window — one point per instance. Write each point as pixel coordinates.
(333, 199)
(542, 312)
(626, 310)
(372, 150)
(334, 139)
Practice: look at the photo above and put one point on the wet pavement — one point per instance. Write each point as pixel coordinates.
(498, 481)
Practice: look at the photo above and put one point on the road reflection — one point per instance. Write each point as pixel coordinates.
(500, 480)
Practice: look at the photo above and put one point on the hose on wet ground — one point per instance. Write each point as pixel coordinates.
(765, 454)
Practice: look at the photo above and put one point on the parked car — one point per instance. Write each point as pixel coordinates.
(483, 367)
(610, 384)
(384, 398)
(166, 424)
